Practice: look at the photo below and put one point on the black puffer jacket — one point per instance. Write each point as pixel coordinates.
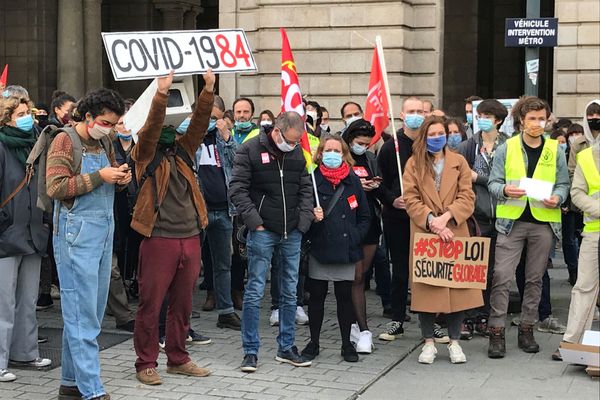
(271, 188)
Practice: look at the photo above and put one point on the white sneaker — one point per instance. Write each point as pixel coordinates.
(456, 353)
(301, 317)
(428, 353)
(6, 376)
(354, 333)
(365, 343)
(37, 363)
(274, 319)
(55, 292)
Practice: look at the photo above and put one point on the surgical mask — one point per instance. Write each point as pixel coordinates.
(266, 123)
(454, 140)
(212, 124)
(535, 129)
(332, 159)
(470, 118)
(65, 118)
(122, 136)
(436, 144)
(25, 123)
(183, 126)
(97, 131)
(324, 127)
(572, 139)
(353, 118)
(414, 121)
(242, 125)
(485, 124)
(358, 149)
(594, 123)
(284, 146)
(563, 147)
(312, 115)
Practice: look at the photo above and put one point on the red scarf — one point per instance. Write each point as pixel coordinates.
(335, 176)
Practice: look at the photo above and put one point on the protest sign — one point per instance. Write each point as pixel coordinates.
(461, 263)
(144, 55)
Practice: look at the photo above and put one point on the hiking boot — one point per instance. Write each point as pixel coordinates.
(230, 321)
(189, 369)
(481, 326)
(349, 353)
(466, 329)
(249, 364)
(497, 346)
(148, 376)
(551, 325)
(237, 297)
(393, 331)
(209, 303)
(310, 351)
(69, 393)
(291, 356)
(527, 342)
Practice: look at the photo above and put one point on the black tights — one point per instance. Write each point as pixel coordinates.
(316, 306)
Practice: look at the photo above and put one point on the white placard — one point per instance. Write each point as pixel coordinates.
(135, 118)
(144, 55)
(536, 189)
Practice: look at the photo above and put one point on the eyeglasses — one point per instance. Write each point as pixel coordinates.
(290, 142)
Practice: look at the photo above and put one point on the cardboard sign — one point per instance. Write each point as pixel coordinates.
(461, 263)
(144, 55)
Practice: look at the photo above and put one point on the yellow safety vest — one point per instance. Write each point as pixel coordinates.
(514, 170)
(585, 159)
(313, 141)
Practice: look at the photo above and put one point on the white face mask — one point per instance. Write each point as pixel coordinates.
(542, 124)
(284, 146)
(98, 132)
(324, 127)
(313, 115)
(265, 123)
(352, 119)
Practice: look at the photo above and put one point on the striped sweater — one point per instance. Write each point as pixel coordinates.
(62, 182)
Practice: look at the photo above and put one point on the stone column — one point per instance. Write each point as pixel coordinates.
(172, 14)
(93, 43)
(189, 18)
(70, 47)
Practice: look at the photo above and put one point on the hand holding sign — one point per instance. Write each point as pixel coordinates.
(209, 80)
(164, 83)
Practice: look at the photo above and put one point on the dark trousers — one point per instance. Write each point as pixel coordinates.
(383, 277)
(167, 267)
(572, 225)
(397, 237)
(316, 306)
(545, 307)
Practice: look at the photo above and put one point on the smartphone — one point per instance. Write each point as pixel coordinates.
(377, 179)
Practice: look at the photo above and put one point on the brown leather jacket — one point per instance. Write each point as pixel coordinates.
(144, 216)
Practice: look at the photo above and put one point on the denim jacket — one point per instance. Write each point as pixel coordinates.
(497, 182)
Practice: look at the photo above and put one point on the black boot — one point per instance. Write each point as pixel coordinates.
(349, 353)
(497, 346)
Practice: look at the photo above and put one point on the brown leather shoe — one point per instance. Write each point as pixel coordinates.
(527, 342)
(69, 393)
(209, 303)
(148, 376)
(237, 296)
(230, 321)
(189, 369)
(497, 346)
(556, 356)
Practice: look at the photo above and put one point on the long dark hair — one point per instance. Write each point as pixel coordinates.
(422, 158)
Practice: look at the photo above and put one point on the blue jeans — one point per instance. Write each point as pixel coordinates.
(218, 234)
(83, 247)
(260, 246)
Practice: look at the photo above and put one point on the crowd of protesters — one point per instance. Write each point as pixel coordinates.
(101, 217)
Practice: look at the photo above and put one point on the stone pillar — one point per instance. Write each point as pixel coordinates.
(172, 14)
(189, 18)
(93, 43)
(70, 47)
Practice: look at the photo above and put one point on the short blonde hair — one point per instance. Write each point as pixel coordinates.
(9, 104)
(346, 156)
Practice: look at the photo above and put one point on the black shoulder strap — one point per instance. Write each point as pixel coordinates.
(334, 199)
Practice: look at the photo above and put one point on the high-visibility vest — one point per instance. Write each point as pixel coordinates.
(514, 170)
(585, 159)
(250, 135)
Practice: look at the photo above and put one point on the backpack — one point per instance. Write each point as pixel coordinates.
(133, 189)
(38, 154)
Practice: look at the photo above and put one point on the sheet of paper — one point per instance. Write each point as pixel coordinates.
(536, 189)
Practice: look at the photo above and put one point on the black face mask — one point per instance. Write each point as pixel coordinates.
(594, 124)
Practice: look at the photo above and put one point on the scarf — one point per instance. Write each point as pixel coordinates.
(335, 176)
(18, 142)
(167, 136)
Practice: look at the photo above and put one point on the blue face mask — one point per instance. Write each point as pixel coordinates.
(436, 144)
(563, 147)
(242, 126)
(414, 121)
(358, 149)
(25, 123)
(212, 124)
(470, 118)
(485, 124)
(454, 140)
(124, 137)
(183, 127)
(332, 160)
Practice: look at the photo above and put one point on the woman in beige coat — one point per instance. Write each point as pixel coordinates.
(439, 200)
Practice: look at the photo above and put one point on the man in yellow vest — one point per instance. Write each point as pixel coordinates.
(585, 194)
(522, 220)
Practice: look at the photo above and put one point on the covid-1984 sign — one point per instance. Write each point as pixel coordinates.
(144, 55)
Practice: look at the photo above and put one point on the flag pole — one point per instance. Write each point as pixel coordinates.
(314, 182)
(390, 108)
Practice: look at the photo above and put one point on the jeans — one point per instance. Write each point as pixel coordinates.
(274, 291)
(453, 320)
(218, 234)
(261, 245)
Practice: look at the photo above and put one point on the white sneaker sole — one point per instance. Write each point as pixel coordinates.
(8, 378)
(365, 350)
(295, 364)
(458, 361)
(426, 360)
(248, 369)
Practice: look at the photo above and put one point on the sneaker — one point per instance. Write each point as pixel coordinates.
(69, 393)
(196, 338)
(37, 363)
(556, 356)
(55, 292)
(354, 333)
(349, 353)
(161, 343)
(6, 376)
(310, 351)
(148, 376)
(516, 322)
(44, 302)
(229, 321)
(188, 369)
(456, 353)
(292, 357)
(365, 343)
(128, 326)
(301, 317)
(394, 330)
(551, 325)
(481, 327)
(249, 363)
(440, 335)
(466, 330)
(428, 353)
(274, 318)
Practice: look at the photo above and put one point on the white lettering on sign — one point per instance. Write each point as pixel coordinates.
(143, 55)
(531, 32)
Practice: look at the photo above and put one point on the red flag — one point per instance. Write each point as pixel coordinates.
(291, 97)
(376, 109)
(4, 76)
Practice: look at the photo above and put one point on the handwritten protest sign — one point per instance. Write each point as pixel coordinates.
(143, 55)
(461, 263)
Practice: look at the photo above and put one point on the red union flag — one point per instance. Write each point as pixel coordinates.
(376, 109)
(4, 76)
